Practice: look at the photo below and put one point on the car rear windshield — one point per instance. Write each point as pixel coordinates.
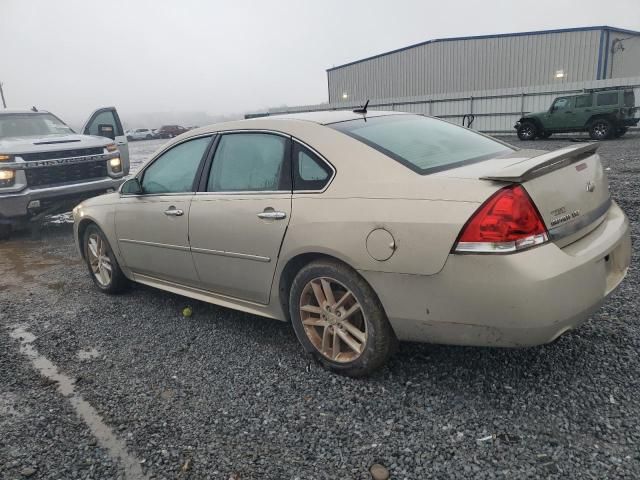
(31, 124)
(423, 144)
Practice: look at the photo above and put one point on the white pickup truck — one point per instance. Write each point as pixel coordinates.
(46, 168)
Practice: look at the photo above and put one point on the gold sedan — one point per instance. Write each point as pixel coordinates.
(363, 229)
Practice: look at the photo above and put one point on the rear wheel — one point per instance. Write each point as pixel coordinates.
(527, 131)
(600, 129)
(103, 266)
(339, 320)
(620, 132)
(5, 231)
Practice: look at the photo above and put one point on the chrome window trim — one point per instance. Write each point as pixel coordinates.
(166, 148)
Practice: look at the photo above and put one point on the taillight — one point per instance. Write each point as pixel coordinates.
(507, 222)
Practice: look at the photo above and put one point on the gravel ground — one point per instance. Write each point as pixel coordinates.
(229, 395)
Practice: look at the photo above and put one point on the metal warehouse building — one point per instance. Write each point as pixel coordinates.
(490, 62)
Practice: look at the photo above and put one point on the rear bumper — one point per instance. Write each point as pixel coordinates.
(523, 299)
(14, 207)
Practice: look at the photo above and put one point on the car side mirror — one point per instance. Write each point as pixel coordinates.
(106, 130)
(131, 187)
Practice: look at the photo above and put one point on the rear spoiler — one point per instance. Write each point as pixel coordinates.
(542, 164)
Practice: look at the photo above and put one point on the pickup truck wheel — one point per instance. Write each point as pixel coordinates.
(600, 129)
(339, 320)
(103, 266)
(527, 131)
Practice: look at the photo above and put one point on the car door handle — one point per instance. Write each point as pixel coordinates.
(174, 212)
(272, 215)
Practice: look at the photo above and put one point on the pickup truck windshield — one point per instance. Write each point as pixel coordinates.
(423, 144)
(31, 125)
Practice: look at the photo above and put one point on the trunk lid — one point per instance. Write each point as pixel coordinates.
(568, 186)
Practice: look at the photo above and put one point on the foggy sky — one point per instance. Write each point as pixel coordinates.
(224, 57)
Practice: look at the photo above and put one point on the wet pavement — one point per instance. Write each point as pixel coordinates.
(97, 386)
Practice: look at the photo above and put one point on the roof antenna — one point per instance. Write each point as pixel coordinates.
(34, 109)
(362, 109)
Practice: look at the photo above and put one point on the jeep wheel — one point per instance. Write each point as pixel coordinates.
(600, 129)
(527, 131)
(5, 231)
(620, 132)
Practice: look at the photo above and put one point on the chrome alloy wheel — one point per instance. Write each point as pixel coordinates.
(333, 320)
(99, 259)
(601, 130)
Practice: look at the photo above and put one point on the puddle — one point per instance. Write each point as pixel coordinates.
(100, 430)
(89, 354)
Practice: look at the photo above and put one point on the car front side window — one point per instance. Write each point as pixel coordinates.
(175, 170)
(246, 162)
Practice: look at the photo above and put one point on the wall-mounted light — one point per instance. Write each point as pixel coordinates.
(560, 74)
(345, 95)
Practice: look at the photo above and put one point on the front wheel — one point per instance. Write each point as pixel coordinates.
(600, 129)
(103, 266)
(339, 320)
(527, 131)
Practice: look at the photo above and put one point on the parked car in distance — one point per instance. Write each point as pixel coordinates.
(47, 168)
(140, 134)
(606, 113)
(170, 131)
(365, 229)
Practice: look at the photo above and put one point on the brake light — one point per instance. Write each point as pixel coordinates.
(507, 222)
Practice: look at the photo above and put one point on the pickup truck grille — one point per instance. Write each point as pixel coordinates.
(75, 172)
(78, 152)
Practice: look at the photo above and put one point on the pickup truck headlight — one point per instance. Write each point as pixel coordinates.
(116, 165)
(7, 177)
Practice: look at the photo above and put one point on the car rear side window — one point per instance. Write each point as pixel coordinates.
(309, 171)
(610, 98)
(246, 162)
(584, 101)
(175, 170)
(423, 144)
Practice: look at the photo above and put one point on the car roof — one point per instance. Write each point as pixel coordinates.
(326, 117)
(22, 112)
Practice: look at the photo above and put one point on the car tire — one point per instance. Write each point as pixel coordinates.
(5, 231)
(527, 131)
(99, 258)
(339, 319)
(620, 132)
(149, 137)
(600, 129)
(129, 139)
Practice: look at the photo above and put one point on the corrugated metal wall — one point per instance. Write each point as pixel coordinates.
(494, 110)
(470, 64)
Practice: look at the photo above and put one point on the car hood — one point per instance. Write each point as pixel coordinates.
(50, 143)
(535, 114)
